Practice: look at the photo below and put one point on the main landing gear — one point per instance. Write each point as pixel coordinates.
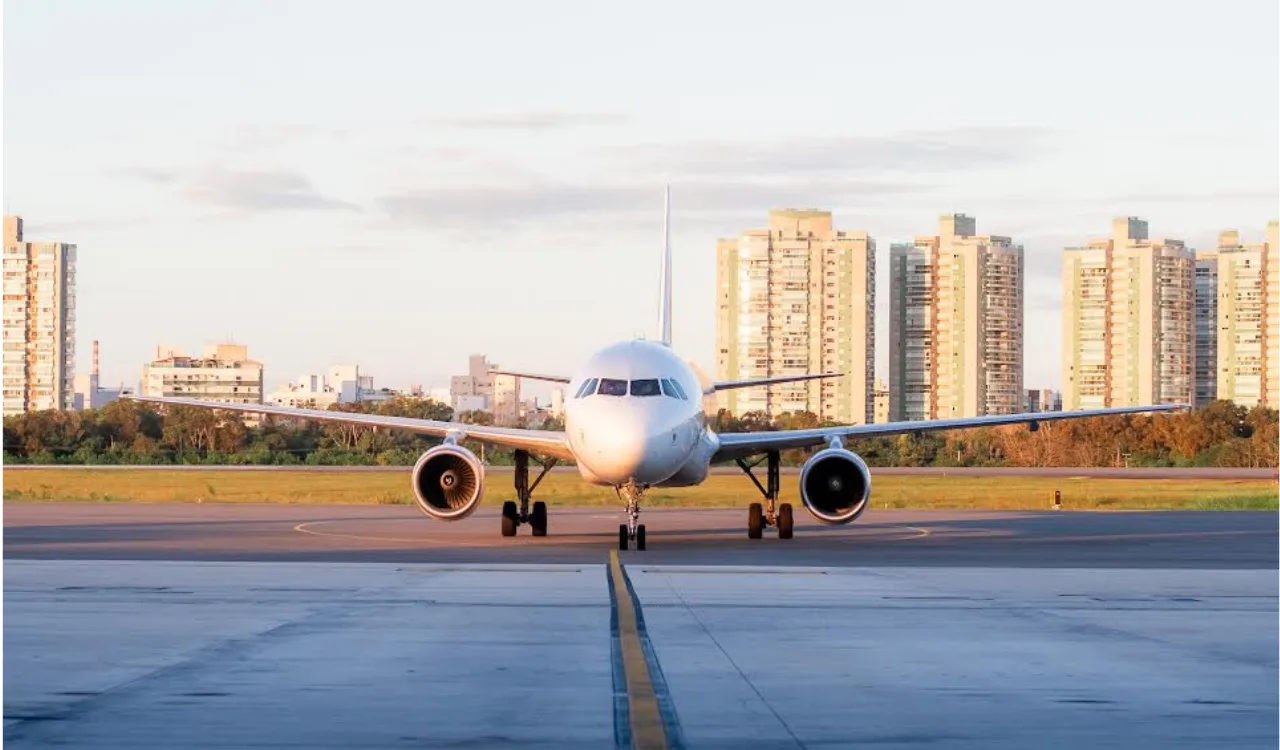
(513, 515)
(632, 530)
(771, 514)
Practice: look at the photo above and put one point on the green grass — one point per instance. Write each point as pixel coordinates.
(328, 487)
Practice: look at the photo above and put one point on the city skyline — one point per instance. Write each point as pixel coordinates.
(301, 161)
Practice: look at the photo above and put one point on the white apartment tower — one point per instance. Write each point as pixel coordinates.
(797, 298)
(39, 322)
(1247, 318)
(955, 324)
(1128, 320)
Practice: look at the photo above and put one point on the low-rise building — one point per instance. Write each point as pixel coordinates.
(497, 394)
(344, 384)
(225, 373)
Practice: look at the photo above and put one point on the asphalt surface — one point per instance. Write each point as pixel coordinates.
(308, 533)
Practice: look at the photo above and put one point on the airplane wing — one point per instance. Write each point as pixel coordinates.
(543, 442)
(531, 376)
(742, 444)
(725, 385)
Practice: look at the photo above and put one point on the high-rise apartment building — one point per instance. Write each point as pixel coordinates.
(1206, 367)
(1247, 316)
(39, 322)
(1128, 320)
(797, 298)
(955, 324)
(225, 373)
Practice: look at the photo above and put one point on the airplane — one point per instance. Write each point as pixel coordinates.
(634, 420)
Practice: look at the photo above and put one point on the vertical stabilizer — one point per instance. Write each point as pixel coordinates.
(664, 296)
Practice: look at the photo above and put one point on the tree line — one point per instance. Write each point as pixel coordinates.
(128, 432)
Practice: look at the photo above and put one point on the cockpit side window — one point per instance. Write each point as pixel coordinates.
(587, 388)
(645, 388)
(610, 387)
(669, 389)
(679, 390)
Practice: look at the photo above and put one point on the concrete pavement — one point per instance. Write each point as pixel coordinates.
(122, 654)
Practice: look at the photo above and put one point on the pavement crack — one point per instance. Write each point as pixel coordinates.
(782, 722)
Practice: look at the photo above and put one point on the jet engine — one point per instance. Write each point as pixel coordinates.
(835, 485)
(448, 482)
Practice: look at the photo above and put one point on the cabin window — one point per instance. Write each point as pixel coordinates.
(645, 388)
(610, 387)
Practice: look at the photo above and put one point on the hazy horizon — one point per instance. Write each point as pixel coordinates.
(405, 185)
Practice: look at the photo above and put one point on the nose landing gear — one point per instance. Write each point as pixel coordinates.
(513, 515)
(770, 514)
(632, 530)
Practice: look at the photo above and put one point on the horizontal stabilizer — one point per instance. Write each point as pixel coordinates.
(727, 385)
(531, 376)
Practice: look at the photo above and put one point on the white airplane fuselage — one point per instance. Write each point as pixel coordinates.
(623, 430)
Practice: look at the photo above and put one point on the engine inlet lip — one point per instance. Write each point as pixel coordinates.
(858, 506)
(451, 480)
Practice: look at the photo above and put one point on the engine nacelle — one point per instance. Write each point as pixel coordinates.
(448, 482)
(835, 485)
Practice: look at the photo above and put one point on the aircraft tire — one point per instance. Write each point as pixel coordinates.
(786, 521)
(510, 518)
(755, 521)
(640, 537)
(538, 519)
(623, 537)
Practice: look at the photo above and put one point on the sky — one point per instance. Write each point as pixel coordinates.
(402, 184)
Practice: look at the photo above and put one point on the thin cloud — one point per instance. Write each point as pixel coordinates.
(509, 205)
(152, 175)
(913, 151)
(241, 190)
(526, 121)
(261, 191)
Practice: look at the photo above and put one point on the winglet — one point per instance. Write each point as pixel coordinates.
(664, 298)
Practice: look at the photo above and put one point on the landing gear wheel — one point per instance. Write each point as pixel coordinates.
(623, 537)
(538, 519)
(786, 521)
(755, 521)
(510, 518)
(640, 537)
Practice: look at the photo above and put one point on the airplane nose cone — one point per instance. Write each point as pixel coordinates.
(616, 447)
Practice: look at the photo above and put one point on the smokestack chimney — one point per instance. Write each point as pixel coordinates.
(95, 358)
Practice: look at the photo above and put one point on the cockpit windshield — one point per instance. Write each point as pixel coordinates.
(645, 388)
(610, 387)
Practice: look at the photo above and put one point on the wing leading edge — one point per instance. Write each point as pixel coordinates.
(741, 444)
(532, 376)
(543, 442)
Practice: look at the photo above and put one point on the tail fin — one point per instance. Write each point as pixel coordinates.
(664, 296)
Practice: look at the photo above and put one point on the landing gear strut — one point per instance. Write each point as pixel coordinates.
(513, 515)
(771, 514)
(631, 493)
